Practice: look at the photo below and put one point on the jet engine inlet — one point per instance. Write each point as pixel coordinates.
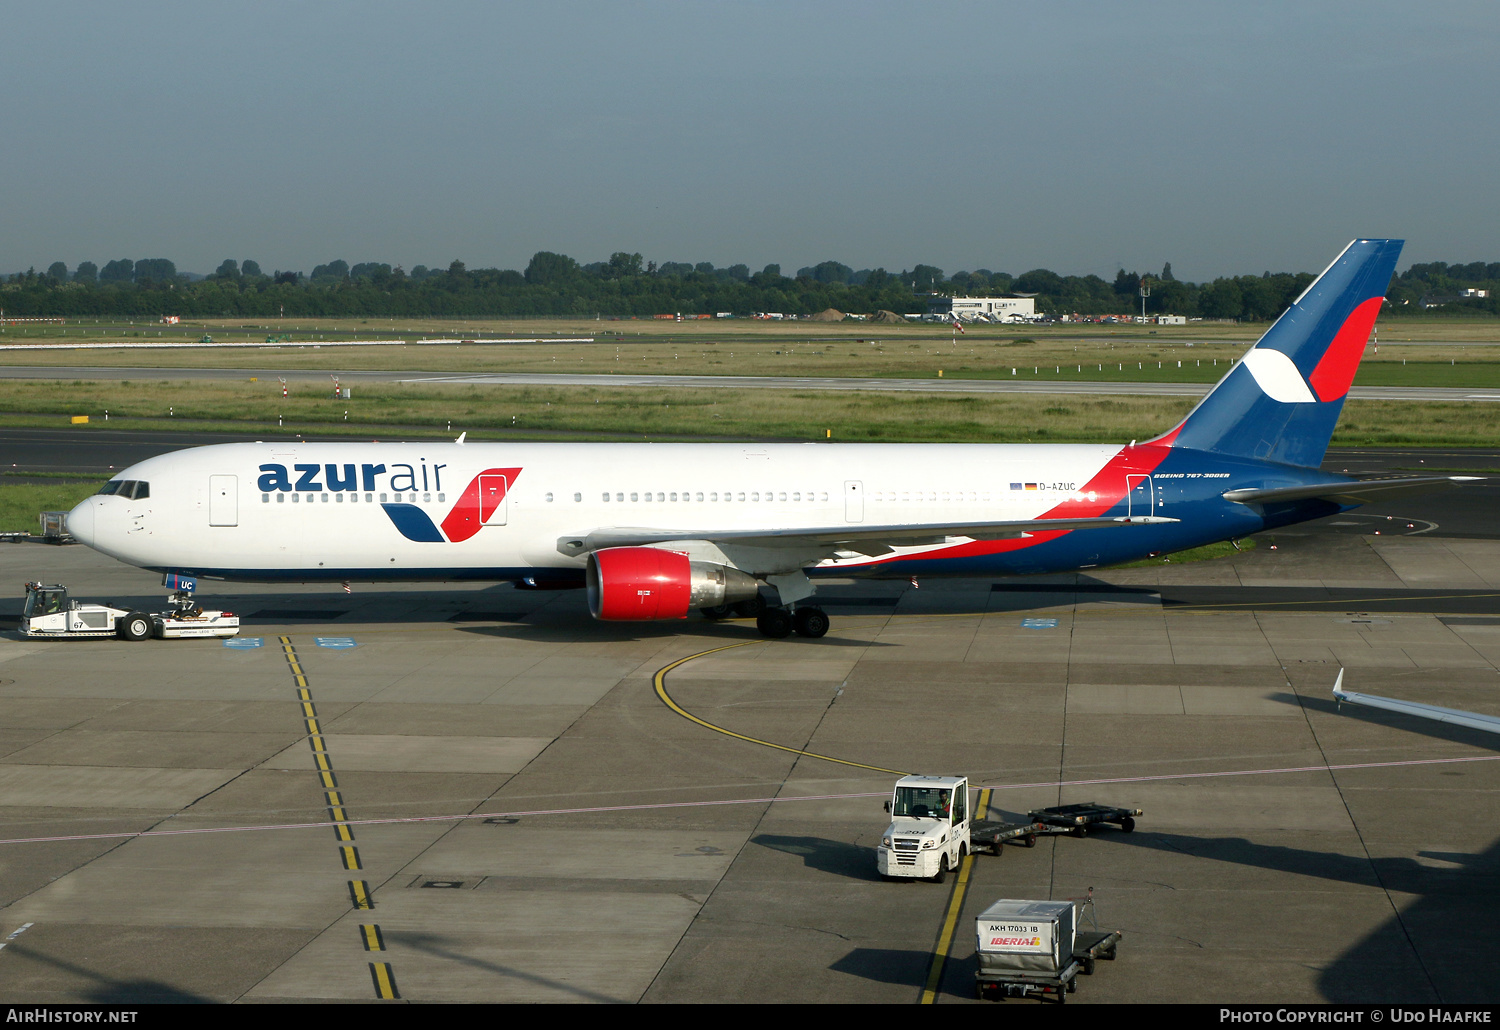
(639, 584)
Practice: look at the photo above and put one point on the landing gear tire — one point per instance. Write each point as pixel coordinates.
(717, 612)
(810, 622)
(775, 623)
(750, 609)
(135, 626)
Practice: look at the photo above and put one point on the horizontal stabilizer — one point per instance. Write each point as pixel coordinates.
(855, 537)
(1453, 716)
(1356, 491)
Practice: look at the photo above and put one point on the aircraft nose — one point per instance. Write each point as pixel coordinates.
(80, 522)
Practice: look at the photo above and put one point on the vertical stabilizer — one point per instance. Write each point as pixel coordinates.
(1281, 401)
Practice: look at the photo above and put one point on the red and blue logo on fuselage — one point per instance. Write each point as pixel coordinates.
(476, 508)
(481, 503)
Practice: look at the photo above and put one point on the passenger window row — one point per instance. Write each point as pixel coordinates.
(753, 496)
(338, 498)
(929, 496)
(711, 497)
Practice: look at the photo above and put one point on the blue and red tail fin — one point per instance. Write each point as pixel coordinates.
(1281, 401)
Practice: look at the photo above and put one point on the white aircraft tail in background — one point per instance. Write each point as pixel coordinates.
(1453, 716)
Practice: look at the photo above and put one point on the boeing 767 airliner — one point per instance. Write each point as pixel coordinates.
(656, 530)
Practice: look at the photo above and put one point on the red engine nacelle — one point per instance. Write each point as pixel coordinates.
(638, 584)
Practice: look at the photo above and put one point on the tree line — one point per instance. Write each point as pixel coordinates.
(626, 285)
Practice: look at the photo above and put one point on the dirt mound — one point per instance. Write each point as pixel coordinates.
(829, 315)
(887, 317)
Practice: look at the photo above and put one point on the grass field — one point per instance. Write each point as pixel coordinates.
(22, 503)
(1459, 353)
(622, 413)
(1208, 552)
(1059, 353)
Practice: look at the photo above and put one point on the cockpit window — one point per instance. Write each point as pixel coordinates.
(133, 488)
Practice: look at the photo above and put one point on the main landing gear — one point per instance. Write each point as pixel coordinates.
(775, 621)
(779, 622)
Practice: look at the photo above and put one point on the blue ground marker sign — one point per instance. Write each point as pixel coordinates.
(1038, 623)
(339, 642)
(244, 643)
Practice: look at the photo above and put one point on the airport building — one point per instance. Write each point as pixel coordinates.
(971, 309)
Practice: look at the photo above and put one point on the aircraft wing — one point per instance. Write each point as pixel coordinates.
(870, 540)
(1360, 491)
(1473, 720)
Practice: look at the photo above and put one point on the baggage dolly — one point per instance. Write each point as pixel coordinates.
(1013, 967)
(1018, 984)
(994, 836)
(1089, 946)
(1076, 819)
(1073, 820)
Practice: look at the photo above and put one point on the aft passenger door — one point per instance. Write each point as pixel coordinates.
(1140, 496)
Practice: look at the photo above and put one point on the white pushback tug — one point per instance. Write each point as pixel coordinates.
(929, 830)
(49, 612)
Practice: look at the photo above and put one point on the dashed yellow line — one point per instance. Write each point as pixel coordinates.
(385, 980)
(359, 895)
(381, 974)
(955, 909)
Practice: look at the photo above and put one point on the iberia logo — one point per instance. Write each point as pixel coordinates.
(481, 504)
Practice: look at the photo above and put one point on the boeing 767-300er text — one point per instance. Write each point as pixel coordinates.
(656, 530)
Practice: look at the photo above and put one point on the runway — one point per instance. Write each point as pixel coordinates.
(661, 382)
(472, 794)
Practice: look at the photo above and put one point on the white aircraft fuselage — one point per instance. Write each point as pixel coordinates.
(375, 511)
(655, 530)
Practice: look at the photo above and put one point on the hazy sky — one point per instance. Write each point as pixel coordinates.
(1081, 137)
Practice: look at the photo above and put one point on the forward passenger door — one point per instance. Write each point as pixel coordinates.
(223, 501)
